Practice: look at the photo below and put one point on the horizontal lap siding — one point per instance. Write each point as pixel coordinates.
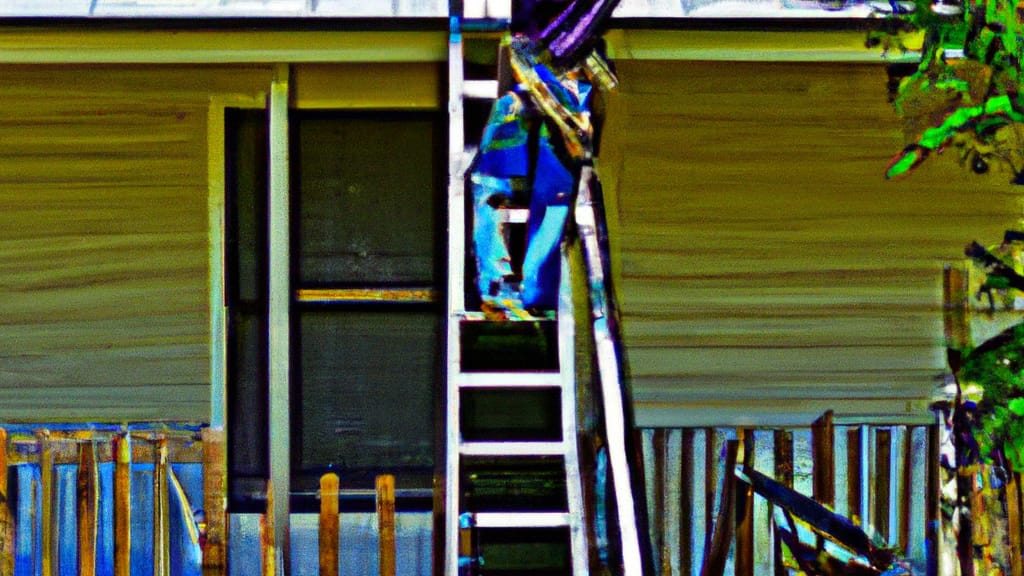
(767, 271)
(104, 250)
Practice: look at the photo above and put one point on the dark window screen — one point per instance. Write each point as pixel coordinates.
(366, 185)
(366, 197)
(367, 389)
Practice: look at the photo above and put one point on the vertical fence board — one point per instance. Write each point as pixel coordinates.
(46, 496)
(842, 477)
(161, 514)
(123, 507)
(386, 523)
(744, 551)
(715, 561)
(657, 515)
(880, 489)
(918, 461)
(865, 474)
(329, 525)
(899, 509)
(764, 461)
(214, 501)
(710, 470)
(88, 499)
(853, 474)
(783, 474)
(696, 477)
(649, 456)
(673, 500)
(267, 535)
(803, 458)
(823, 459)
(7, 535)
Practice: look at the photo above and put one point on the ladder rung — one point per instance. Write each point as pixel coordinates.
(483, 89)
(512, 448)
(521, 519)
(509, 379)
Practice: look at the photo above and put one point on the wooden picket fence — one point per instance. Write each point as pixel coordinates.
(89, 447)
(882, 477)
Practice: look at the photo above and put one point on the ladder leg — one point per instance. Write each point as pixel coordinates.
(567, 361)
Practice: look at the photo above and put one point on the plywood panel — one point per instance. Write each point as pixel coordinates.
(103, 253)
(766, 269)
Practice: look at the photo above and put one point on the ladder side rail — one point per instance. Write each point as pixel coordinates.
(570, 427)
(455, 291)
(614, 399)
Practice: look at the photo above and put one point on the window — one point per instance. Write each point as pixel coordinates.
(367, 300)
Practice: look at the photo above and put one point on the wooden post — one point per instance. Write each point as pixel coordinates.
(386, 523)
(6, 522)
(267, 549)
(214, 502)
(88, 499)
(329, 524)
(161, 504)
(123, 506)
(46, 500)
(824, 460)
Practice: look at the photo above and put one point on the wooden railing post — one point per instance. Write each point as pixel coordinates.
(161, 505)
(6, 522)
(88, 499)
(123, 506)
(329, 524)
(268, 549)
(823, 442)
(386, 523)
(214, 502)
(46, 501)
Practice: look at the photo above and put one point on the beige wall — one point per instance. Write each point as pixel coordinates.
(104, 251)
(767, 270)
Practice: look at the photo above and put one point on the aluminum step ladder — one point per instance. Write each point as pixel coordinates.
(462, 521)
